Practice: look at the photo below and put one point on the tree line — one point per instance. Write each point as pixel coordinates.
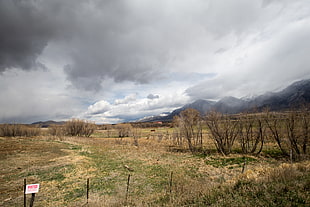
(290, 131)
(73, 127)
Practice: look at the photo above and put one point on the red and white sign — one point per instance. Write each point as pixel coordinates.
(32, 188)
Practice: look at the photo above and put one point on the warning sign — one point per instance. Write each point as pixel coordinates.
(32, 188)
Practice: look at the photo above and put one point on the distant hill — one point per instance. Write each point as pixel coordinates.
(293, 96)
(45, 124)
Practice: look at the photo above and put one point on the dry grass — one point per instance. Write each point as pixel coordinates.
(62, 167)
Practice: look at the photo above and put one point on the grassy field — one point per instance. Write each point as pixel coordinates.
(161, 174)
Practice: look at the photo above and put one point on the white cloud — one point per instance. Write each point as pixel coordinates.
(99, 107)
(124, 110)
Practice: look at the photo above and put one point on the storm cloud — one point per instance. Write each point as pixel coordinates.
(24, 33)
(110, 54)
(134, 41)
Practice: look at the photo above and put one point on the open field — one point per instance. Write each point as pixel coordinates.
(161, 174)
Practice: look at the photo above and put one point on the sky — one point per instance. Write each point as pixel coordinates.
(112, 61)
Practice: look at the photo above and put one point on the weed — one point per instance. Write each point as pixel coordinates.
(75, 193)
(273, 153)
(231, 162)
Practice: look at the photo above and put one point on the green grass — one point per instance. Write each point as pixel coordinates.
(75, 193)
(230, 162)
(49, 174)
(273, 153)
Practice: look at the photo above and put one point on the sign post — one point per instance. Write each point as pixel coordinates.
(25, 201)
(32, 189)
(32, 199)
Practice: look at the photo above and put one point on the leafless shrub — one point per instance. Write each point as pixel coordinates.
(177, 137)
(56, 130)
(76, 127)
(276, 129)
(251, 133)
(291, 131)
(136, 133)
(305, 130)
(224, 130)
(124, 130)
(160, 137)
(189, 123)
(18, 130)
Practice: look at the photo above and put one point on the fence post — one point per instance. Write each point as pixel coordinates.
(25, 200)
(87, 192)
(244, 165)
(170, 182)
(127, 190)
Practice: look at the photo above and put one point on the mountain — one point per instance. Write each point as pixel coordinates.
(230, 105)
(200, 105)
(45, 124)
(293, 96)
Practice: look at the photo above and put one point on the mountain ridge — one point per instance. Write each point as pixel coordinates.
(292, 96)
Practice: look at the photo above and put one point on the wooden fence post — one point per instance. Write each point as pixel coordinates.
(25, 200)
(127, 190)
(170, 182)
(87, 192)
(244, 165)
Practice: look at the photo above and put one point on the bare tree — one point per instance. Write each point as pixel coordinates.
(291, 131)
(297, 131)
(305, 125)
(275, 125)
(224, 131)
(251, 133)
(189, 123)
(177, 133)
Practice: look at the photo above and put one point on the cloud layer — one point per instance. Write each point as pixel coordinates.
(118, 60)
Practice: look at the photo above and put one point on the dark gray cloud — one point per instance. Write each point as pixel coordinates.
(24, 32)
(125, 41)
(137, 41)
(152, 96)
(112, 42)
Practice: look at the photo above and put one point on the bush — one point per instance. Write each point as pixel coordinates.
(18, 130)
(56, 130)
(124, 130)
(77, 127)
